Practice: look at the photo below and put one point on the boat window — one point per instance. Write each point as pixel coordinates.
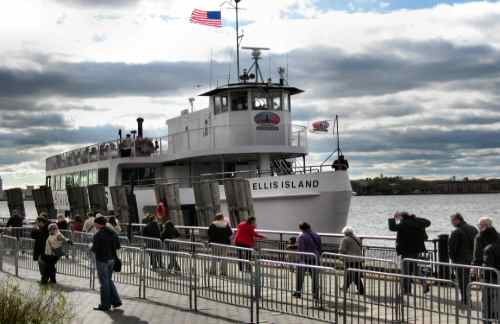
(92, 177)
(239, 101)
(220, 104)
(76, 179)
(58, 182)
(260, 102)
(103, 176)
(47, 181)
(84, 178)
(68, 180)
(286, 103)
(138, 176)
(276, 101)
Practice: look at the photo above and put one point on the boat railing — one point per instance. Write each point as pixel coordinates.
(190, 140)
(221, 176)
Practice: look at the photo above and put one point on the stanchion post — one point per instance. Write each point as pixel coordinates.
(257, 290)
(16, 257)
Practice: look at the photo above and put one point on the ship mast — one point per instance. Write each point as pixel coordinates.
(237, 41)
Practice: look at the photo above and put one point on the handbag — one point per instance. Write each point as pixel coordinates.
(59, 252)
(117, 266)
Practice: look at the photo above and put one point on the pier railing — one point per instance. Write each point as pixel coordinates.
(266, 281)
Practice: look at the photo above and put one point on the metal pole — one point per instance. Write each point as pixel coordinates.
(237, 42)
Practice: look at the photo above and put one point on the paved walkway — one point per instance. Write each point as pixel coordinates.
(159, 307)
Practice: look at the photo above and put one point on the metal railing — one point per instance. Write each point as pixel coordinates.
(189, 140)
(245, 278)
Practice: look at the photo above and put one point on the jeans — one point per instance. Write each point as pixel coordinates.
(244, 255)
(408, 269)
(155, 259)
(109, 295)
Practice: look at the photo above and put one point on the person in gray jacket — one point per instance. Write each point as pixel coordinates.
(351, 245)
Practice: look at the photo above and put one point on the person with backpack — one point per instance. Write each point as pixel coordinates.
(309, 242)
(461, 251)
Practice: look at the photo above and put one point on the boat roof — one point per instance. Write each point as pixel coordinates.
(253, 85)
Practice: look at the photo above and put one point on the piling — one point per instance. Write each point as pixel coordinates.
(15, 201)
(97, 198)
(124, 204)
(239, 199)
(78, 201)
(44, 203)
(169, 195)
(207, 200)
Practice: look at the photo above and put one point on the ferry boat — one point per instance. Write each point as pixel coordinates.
(246, 131)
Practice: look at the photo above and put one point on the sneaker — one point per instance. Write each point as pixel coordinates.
(117, 305)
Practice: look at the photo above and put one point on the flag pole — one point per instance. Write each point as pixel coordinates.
(237, 42)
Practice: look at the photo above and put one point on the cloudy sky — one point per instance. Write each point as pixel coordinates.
(415, 82)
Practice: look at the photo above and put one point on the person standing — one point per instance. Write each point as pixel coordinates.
(491, 259)
(219, 232)
(40, 233)
(308, 242)
(351, 246)
(77, 224)
(246, 237)
(53, 250)
(410, 241)
(485, 227)
(62, 224)
(461, 250)
(169, 232)
(104, 246)
(153, 230)
(89, 225)
(15, 220)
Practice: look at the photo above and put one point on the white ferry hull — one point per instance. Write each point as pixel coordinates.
(282, 202)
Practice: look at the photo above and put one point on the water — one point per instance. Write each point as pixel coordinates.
(369, 214)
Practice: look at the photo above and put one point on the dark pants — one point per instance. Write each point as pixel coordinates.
(47, 268)
(354, 277)
(109, 295)
(301, 272)
(155, 260)
(172, 263)
(408, 269)
(491, 304)
(463, 278)
(244, 255)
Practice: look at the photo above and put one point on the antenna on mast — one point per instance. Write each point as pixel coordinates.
(256, 55)
(237, 40)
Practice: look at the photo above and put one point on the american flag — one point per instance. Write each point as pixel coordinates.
(209, 18)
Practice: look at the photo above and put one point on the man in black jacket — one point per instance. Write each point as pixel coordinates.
(219, 232)
(169, 232)
(153, 230)
(40, 233)
(410, 241)
(461, 250)
(104, 246)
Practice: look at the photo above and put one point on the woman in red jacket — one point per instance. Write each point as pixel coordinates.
(246, 237)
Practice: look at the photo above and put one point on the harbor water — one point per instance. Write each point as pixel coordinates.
(368, 214)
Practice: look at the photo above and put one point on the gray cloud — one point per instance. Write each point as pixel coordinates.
(25, 121)
(98, 3)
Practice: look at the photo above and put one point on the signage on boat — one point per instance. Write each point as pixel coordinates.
(286, 184)
(291, 185)
(267, 120)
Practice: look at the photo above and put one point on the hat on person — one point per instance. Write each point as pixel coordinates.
(99, 219)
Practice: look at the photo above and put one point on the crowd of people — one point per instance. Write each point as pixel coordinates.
(467, 246)
(49, 249)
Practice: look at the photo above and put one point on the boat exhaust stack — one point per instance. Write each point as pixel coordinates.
(140, 120)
